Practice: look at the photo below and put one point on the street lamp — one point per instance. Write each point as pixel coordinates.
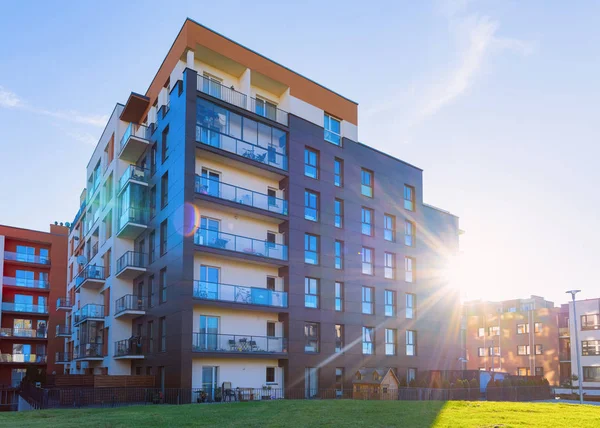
(579, 368)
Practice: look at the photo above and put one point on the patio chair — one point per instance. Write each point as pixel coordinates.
(232, 345)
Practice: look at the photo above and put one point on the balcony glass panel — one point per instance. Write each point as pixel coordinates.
(134, 346)
(240, 244)
(135, 130)
(136, 173)
(26, 258)
(40, 333)
(26, 282)
(130, 302)
(239, 294)
(22, 358)
(234, 343)
(24, 307)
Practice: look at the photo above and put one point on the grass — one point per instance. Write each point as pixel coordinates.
(330, 413)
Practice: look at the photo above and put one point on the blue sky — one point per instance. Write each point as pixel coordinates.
(495, 100)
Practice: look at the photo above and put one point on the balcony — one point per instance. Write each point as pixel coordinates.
(215, 89)
(132, 222)
(63, 357)
(26, 258)
(131, 264)
(24, 308)
(64, 304)
(239, 195)
(269, 111)
(20, 283)
(89, 351)
(89, 312)
(134, 142)
(92, 277)
(239, 344)
(134, 174)
(23, 333)
(78, 215)
(130, 349)
(263, 155)
(240, 244)
(130, 306)
(63, 331)
(240, 294)
(22, 359)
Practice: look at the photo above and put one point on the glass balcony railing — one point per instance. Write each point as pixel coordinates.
(239, 294)
(63, 330)
(26, 283)
(240, 244)
(229, 192)
(268, 110)
(130, 302)
(64, 357)
(88, 350)
(91, 273)
(266, 155)
(215, 89)
(134, 130)
(26, 258)
(134, 173)
(22, 358)
(133, 215)
(131, 259)
(242, 343)
(24, 307)
(79, 213)
(130, 347)
(40, 333)
(87, 312)
(64, 303)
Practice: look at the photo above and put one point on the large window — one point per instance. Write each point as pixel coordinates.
(311, 382)
(591, 374)
(409, 269)
(311, 337)
(590, 322)
(339, 381)
(411, 343)
(368, 340)
(162, 285)
(367, 261)
(539, 349)
(522, 328)
(538, 327)
(164, 190)
(390, 265)
(524, 371)
(311, 163)
(339, 254)
(311, 292)
(338, 172)
(481, 352)
(339, 296)
(590, 347)
(411, 305)
(367, 221)
(311, 249)
(366, 182)
(389, 227)
(339, 338)
(332, 130)
(163, 334)
(163, 237)
(311, 205)
(338, 208)
(523, 350)
(409, 233)
(165, 144)
(409, 197)
(390, 303)
(368, 305)
(152, 247)
(494, 330)
(390, 341)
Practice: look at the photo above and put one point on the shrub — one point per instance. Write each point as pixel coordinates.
(445, 384)
(412, 383)
(474, 383)
(402, 383)
(435, 384)
(506, 382)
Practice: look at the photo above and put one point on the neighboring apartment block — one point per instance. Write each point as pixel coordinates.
(518, 337)
(233, 229)
(32, 277)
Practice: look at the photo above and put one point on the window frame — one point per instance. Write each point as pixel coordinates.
(311, 198)
(367, 298)
(367, 257)
(311, 292)
(390, 347)
(308, 152)
(328, 131)
(367, 222)
(310, 240)
(390, 303)
(367, 189)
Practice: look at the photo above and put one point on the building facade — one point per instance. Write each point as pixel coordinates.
(32, 277)
(233, 229)
(518, 337)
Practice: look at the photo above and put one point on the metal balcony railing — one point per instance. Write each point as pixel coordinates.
(88, 350)
(26, 283)
(64, 302)
(136, 173)
(64, 357)
(90, 272)
(131, 259)
(22, 358)
(240, 294)
(129, 302)
(63, 330)
(133, 215)
(134, 130)
(40, 333)
(215, 89)
(24, 307)
(268, 110)
(229, 192)
(88, 311)
(240, 244)
(242, 343)
(26, 258)
(134, 346)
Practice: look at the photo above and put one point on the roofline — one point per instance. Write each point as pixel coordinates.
(440, 210)
(100, 139)
(388, 155)
(33, 230)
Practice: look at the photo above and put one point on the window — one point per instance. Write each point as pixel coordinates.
(494, 331)
(591, 374)
(522, 328)
(411, 343)
(366, 182)
(163, 334)
(339, 254)
(108, 226)
(270, 375)
(409, 266)
(338, 172)
(311, 337)
(411, 305)
(409, 198)
(390, 341)
(590, 322)
(390, 303)
(338, 206)
(339, 338)
(162, 286)
(409, 233)
(151, 291)
(494, 351)
(368, 305)
(151, 248)
(539, 349)
(165, 144)
(153, 160)
(523, 350)
(311, 249)
(389, 227)
(163, 238)
(311, 206)
(311, 163)
(368, 340)
(411, 374)
(523, 371)
(339, 381)
(367, 221)
(25, 254)
(538, 327)
(150, 336)
(152, 201)
(339, 296)
(311, 293)
(164, 190)
(481, 332)
(539, 371)
(390, 265)
(265, 108)
(332, 130)
(367, 261)
(272, 198)
(481, 352)
(311, 382)
(590, 347)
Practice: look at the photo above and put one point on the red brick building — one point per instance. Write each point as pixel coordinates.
(33, 270)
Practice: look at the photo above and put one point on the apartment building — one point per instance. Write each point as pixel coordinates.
(233, 229)
(32, 274)
(519, 337)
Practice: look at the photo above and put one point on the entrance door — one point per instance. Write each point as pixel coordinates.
(209, 282)
(211, 183)
(209, 333)
(209, 380)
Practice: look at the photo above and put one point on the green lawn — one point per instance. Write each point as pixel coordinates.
(332, 413)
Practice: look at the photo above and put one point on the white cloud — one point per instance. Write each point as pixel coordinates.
(9, 99)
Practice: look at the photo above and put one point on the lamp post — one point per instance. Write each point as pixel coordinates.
(579, 368)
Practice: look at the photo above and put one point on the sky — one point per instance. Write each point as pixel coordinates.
(497, 101)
